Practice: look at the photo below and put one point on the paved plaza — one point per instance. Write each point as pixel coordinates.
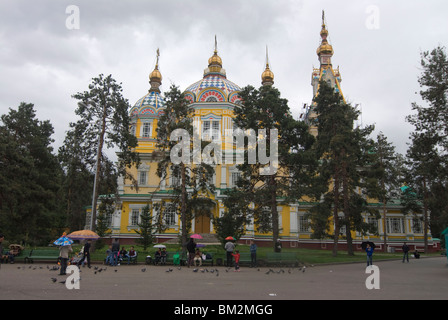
(423, 279)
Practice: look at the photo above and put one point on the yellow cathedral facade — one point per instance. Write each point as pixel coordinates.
(213, 99)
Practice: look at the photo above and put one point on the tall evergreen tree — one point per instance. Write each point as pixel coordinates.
(286, 177)
(30, 177)
(104, 121)
(429, 141)
(388, 169)
(191, 182)
(345, 154)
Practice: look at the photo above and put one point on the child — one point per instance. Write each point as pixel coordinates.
(109, 255)
(236, 255)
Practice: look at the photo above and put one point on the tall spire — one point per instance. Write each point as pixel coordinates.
(215, 62)
(155, 78)
(325, 50)
(267, 77)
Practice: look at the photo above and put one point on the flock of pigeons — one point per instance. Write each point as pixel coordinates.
(144, 269)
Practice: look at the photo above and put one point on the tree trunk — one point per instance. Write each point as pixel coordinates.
(183, 208)
(275, 227)
(336, 216)
(425, 216)
(98, 166)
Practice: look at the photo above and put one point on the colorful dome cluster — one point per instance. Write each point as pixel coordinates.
(214, 86)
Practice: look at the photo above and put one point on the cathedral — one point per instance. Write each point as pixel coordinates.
(213, 98)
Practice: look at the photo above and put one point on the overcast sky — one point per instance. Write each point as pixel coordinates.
(46, 56)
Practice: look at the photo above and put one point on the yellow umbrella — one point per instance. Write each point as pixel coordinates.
(83, 235)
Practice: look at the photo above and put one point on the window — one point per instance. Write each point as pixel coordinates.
(304, 225)
(234, 178)
(395, 225)
(176, 178)
(146, 130)
(373, 221)
(108, 220)
(135, 215)
(169, 215)
(210, 130)
(211, 99)
(417, 226)
(142, 177)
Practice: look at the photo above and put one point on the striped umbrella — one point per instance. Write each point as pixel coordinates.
(83, 235)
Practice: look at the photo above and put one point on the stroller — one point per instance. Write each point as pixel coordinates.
(77, 258)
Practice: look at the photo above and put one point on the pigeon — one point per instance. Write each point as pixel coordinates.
(178, 268)
(195, 270)
(143, 270)
(54, 280)
(303, 270)
(169, 270)
(115, 270)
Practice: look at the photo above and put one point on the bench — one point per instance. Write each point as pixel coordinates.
(170, 258)
(42, 254)
(132, 260)
(20, 257)
(245, 258)
(209, 258)
(282, 258)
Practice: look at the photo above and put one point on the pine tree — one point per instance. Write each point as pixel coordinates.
(345, 154)
(30, 177)
(104, 122)
(285, 178)
(191, 182)
(428, 178)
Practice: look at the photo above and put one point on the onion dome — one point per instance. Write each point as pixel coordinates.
(325, 48)
(152, 103)
(214, 86)
(267, 77)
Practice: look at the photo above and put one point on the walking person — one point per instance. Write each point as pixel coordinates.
(86, 254)
(191, 248)
(369, 251)
(229, 247)
(405, 248)
(236, 255)
(253, 254)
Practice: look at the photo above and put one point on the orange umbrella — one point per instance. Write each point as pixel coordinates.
(83, 235)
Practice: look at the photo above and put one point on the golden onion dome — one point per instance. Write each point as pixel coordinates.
(325, 48)
(155, 75)
(215, 60)
(267, 76)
